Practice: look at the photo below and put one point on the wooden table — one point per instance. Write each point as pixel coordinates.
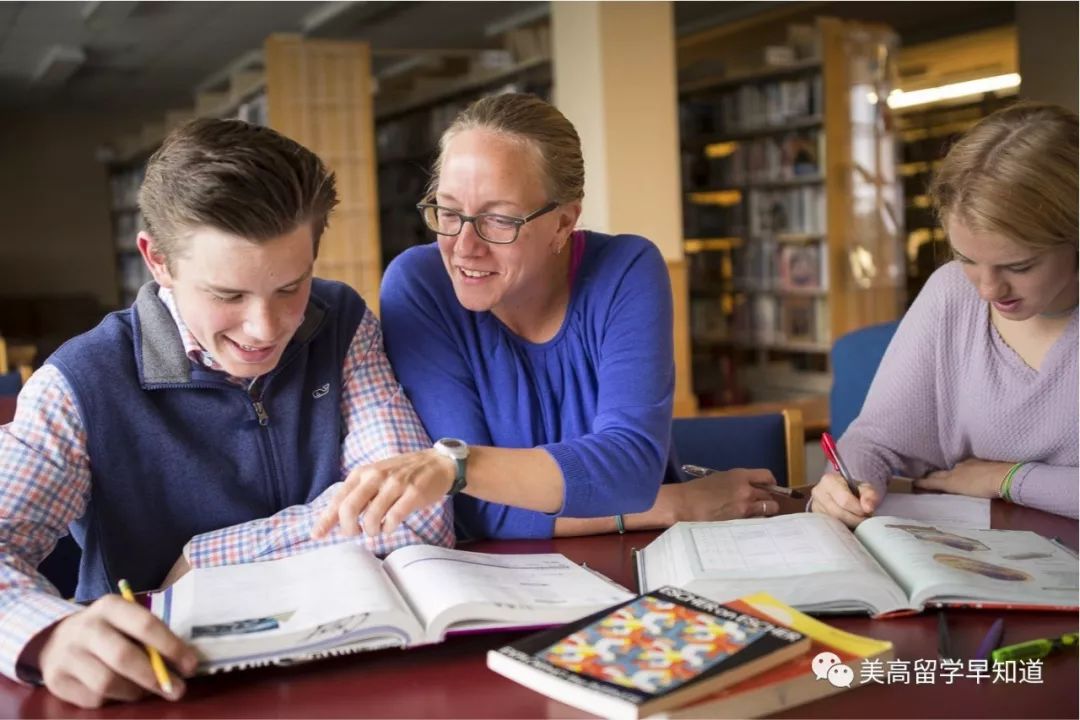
(7, 408)
(451, 679)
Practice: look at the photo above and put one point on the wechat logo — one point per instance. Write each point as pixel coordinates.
(827, 666)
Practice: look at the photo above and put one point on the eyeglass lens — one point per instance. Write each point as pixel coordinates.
(493, 228)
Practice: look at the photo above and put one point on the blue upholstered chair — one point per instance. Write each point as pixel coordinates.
(773, 441)
(855, 360)
(10, 383)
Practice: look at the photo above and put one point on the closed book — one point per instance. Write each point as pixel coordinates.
(802, 679)
(658, 651)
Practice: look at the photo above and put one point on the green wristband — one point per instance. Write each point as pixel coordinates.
(619, 525)
(1006, 484)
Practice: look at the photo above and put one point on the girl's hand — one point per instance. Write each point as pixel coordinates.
(974, 477)
(831, 496)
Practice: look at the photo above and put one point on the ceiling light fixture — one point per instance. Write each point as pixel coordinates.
(107, 14)
(58, 65)
(529, 15)
(326, 15)
(901, 99)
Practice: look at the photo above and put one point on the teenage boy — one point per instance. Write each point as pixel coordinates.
(209, 422)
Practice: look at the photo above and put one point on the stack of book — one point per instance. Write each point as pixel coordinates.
(671, 653)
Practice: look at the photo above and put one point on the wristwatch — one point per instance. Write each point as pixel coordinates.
(457, 451)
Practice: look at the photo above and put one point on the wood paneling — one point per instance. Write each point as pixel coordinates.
(685, 400)
(958, 59)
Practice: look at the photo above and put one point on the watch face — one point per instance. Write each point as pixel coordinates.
(453, 448)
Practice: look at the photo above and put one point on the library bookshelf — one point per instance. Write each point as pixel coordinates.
(793, 213)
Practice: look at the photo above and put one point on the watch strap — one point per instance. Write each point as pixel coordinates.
(459, 477)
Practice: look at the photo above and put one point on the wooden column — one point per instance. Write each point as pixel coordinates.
(319, 94)
(615, 79)
(858, 188)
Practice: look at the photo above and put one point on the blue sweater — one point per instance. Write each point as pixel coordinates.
(176, 450)
(598, 396)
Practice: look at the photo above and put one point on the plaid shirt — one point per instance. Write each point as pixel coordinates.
(45, 484)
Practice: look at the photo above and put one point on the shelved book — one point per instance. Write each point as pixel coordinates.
(659, 651)
(801, 267)
(802, 679)
(889, 565)
(341, 599)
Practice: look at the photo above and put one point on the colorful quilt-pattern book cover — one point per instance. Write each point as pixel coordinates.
(650, 645)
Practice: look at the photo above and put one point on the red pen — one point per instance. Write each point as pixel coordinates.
(833, 453)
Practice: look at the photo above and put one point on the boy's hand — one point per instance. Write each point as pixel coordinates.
(99, 654)
(831, 496)
(384, 493)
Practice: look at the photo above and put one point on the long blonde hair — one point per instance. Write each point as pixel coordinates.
(1014, 174)
(537, 123)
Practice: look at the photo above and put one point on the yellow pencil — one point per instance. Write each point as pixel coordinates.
(164, 681)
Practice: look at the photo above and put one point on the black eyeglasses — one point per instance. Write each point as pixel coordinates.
(491, 227)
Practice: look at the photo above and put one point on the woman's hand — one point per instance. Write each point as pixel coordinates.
(724, 495)
(381, 495)
(831, 496)
(974, 477)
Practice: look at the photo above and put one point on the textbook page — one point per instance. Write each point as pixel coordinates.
(956, 565)
(295, 607)
(809, 561)
(461, 590)
(956, 510)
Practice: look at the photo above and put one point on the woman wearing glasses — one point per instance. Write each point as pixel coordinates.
(541, 354)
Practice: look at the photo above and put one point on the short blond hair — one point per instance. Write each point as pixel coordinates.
(537, 123)
(1014, 174)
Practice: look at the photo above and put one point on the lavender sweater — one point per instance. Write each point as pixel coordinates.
(950, 389)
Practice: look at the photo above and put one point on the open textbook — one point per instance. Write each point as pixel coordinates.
(888, 565)
(341, 598)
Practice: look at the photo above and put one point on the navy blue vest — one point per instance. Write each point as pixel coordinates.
(176, 450)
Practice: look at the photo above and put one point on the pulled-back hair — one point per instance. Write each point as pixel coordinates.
(1014, 174)
(242, 179)
(539, 124)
